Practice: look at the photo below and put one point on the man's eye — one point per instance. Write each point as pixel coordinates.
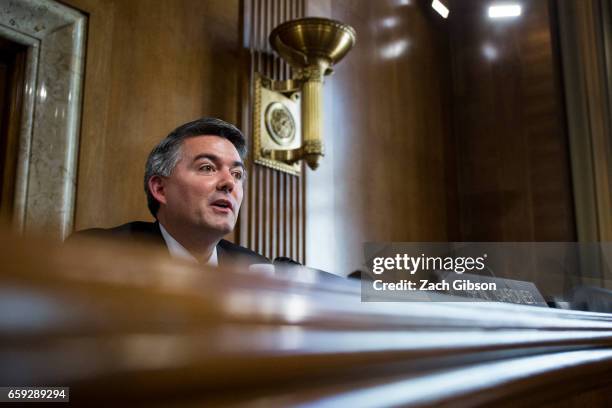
(207, 168)
(238, 175)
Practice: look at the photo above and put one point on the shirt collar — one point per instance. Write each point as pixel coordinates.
(178, 251)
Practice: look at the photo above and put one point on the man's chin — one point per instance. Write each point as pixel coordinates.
(216, 223)
(221, 228)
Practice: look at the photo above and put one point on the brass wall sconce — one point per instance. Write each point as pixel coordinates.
(287, 114)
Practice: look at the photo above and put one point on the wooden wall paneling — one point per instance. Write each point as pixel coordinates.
(513, 159)
(596, 86)
(291, 218)
(385, 176)
(279, 230)
(149, 68)
(288, 218)
(294, 221)
(587, 83)
(273, 223)
(586, 46)
(243, 232)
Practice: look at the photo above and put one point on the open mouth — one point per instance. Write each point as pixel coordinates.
(222, 205)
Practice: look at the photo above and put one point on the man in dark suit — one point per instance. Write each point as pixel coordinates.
(194, 185)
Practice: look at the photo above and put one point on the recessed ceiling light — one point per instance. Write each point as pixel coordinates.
(440, 8)
(504, 10)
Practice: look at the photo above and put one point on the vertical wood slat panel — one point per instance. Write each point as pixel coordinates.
(247, 41)
(300, 187)
(268, 212)
(295, 183)
(303, 184)
(275, 217)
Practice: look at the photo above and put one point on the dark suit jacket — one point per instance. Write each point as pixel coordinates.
(141, 231)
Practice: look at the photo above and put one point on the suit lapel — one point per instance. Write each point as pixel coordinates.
(156, 234)
(221, 254)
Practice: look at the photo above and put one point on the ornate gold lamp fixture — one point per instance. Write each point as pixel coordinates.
(288, 113)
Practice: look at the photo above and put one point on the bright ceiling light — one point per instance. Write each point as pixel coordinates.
(504, 10)
(440, 8)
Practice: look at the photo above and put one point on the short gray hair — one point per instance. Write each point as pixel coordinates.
(164, 157)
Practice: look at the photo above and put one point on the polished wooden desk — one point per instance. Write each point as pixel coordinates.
(129, 326)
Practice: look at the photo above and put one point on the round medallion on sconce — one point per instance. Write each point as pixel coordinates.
(280, 123)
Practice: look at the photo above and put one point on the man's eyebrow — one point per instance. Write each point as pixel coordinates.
(208, 156)
(216, 159)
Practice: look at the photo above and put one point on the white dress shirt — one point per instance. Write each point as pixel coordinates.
(178, 251)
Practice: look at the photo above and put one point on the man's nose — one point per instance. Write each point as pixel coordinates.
(226, 181)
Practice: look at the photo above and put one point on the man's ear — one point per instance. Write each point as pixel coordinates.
(157, 189)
